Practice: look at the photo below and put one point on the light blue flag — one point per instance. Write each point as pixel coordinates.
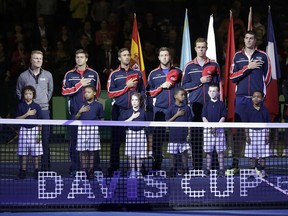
(186, 54)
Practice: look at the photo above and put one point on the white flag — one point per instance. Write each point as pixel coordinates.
(211, 51)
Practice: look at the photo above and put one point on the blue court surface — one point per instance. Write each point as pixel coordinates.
(264, 212)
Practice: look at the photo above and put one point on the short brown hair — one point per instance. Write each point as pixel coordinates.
(81, 51)
(122, 50)
(164, 49)
(201, 40)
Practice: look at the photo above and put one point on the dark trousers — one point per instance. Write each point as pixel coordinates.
(45, 159)
(74, 154)
(241, 104)
(159, 136)
(117, 137)
(197, 137)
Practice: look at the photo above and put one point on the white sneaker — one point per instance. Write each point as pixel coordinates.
(139, 174)
(273, 152)
(150, 155)
(285, 153)
(133, 174)
(263, 174)
(229, 152)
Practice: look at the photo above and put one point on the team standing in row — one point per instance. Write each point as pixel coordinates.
(163, 99)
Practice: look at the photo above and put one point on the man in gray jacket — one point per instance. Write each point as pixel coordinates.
(42, 81)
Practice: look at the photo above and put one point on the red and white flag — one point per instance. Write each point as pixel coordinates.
(229, 87)
(272, 97)
(137, 61)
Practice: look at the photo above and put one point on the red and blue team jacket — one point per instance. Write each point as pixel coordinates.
(162, 98)
(117, 89)
(249, 80)
(73, 89)
(197, 91)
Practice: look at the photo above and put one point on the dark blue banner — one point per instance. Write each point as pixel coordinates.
(51, 188)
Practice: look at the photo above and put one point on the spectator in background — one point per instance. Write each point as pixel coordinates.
(114, 26)
(127, 44)
(174, 43)
(106, 61)
(4, 69)
(65, 35)
(103, 33)
(239, 28)
(47, 50)
(149, 29)
(79, 12)
(127, 29)
(17, 37)
(47, 9)
(149, 57)
(40, 30)
(88, 31)
(60, 63)
(19, 61)
(257, 25)
(99, 11)
(283, 54)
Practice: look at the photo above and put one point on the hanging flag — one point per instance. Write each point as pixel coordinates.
(272, 97)
(229, 87)
(186, 55)
(211, 51)
(250, 23)
(137, 62)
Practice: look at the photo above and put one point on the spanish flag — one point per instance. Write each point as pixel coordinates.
(137, 62)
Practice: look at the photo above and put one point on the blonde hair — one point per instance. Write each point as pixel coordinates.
(36, 52)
